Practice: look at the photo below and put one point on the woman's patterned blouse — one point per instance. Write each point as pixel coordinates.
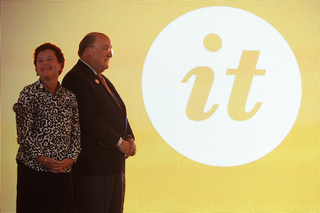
(47, 124)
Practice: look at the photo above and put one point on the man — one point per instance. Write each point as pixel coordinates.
(106, 136)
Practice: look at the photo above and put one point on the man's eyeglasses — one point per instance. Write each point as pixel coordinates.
(107, 50)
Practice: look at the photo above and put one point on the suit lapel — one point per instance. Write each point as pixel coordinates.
(94, 78)
(115, 94)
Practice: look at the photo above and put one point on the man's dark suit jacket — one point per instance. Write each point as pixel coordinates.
(102, 123)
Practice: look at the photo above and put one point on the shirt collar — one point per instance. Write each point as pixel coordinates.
(40, 85)
(95, 72)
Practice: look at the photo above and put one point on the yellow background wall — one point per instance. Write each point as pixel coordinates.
(159, 179)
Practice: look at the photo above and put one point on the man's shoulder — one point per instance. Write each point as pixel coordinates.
(79, 70)
(79, 76)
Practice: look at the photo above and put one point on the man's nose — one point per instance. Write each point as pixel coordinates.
(110, 53)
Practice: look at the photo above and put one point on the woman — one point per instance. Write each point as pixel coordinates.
(48, 136)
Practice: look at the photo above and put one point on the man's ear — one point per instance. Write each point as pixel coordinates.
(87, 51)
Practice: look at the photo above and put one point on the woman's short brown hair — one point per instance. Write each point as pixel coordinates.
(50, 46)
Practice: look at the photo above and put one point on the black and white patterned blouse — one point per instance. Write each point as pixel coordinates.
(47, 124)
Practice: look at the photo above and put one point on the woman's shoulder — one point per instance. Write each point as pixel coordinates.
(31, 90)
(67, 93)
(27, 95)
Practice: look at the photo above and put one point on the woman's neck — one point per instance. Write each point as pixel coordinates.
(51, 85)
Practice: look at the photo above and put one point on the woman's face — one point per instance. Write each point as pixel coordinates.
(47, 65)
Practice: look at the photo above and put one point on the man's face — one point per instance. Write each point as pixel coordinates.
(100, 53)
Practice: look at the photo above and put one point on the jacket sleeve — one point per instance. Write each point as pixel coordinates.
(92, 124)
(128, 130)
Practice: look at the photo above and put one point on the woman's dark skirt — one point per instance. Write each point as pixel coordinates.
(43, 192)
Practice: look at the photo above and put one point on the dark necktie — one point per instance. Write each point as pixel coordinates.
(107, 87)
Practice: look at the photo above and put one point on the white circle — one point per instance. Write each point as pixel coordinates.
(220, 140)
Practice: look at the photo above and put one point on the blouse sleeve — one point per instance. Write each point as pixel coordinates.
(75, 145)
(25, 116)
